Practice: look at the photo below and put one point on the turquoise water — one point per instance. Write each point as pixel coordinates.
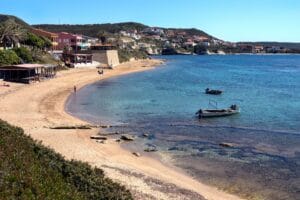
(163, 101)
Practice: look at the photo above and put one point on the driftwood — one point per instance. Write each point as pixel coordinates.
(85, 126)
(72, 127)
(98, 137)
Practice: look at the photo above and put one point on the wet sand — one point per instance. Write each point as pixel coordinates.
(38, 106)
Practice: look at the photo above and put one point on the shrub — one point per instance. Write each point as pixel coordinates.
(24, 54)
(29, 170)
(34, 41)
(125, 54)
(8, 57)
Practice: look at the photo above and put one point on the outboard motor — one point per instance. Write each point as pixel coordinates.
(234, 107)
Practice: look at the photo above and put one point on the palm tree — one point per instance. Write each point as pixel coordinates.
(11, 33)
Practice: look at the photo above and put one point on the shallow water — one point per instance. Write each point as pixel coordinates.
(265, 158)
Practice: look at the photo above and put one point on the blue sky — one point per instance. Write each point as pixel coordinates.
(231, 20)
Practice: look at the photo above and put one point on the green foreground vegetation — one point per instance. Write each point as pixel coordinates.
(29, 170)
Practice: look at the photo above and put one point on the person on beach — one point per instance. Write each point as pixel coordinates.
(75, 88)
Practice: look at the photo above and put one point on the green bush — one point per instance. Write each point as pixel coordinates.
(28, 170)
(125, 54)
(36, 41)
(24, 54)
(8, 57)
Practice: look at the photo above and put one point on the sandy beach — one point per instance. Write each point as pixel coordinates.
(38, 106)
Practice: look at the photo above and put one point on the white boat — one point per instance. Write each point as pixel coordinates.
(204, 113)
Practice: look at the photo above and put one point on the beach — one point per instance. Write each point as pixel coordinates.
(38, 107)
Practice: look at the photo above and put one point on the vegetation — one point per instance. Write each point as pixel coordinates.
(12, 30)
(36, 41)
(93, 30)
(24, 54)
(8, 57)
(125, 54)
(29, 170)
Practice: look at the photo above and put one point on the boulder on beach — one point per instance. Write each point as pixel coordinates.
(127, 137)
(101, 141)
(136, 154)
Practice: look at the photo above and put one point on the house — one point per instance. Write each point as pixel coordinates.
(189, 44)
(27, 73)
(206, 44)
(53, 37)
(9, 43)
(74, 58)
(125, 42)
(72, 41)
(258, 49)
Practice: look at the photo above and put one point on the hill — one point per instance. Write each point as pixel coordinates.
(288, 45)
(29, 170)
(92, 30)
(16, 20)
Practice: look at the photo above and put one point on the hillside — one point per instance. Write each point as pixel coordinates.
(5, 18)
(92, 30)
(15, 32)
(288, 45)
(29, 170)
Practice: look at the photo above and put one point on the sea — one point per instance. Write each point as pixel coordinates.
(263, 160)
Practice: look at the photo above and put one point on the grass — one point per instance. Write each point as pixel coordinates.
(29, 170)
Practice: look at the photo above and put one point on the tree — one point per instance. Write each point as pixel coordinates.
(11, 33)
(35, 41)
(9, 57)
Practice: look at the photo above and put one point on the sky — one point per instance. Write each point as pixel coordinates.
(230, 20)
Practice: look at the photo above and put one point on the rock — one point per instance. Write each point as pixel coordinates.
(150, 149)
(127, 137)
(118, 140)
(136, 154)
(101, 141)
(98, 137)
(145, 135)
(105, 126)
(227, 145)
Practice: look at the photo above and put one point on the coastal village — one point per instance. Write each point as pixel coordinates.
(105, 48)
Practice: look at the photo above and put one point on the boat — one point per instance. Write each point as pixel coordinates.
(214, 92)
(205, 113)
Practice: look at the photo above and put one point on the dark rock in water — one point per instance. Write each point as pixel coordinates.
(118, 140)
(225, 144)
(127, 137)
(136, 154)
(145, 135)
(98, 137)
(153, 149)
(105, 126)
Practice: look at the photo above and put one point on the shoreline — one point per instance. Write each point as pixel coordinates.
(37, 107)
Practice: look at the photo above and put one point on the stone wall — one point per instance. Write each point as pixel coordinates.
(106, 57)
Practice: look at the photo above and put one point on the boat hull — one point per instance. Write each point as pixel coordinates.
(221, 114)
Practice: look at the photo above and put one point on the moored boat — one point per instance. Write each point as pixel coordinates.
(205, 113)
(214, 92)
